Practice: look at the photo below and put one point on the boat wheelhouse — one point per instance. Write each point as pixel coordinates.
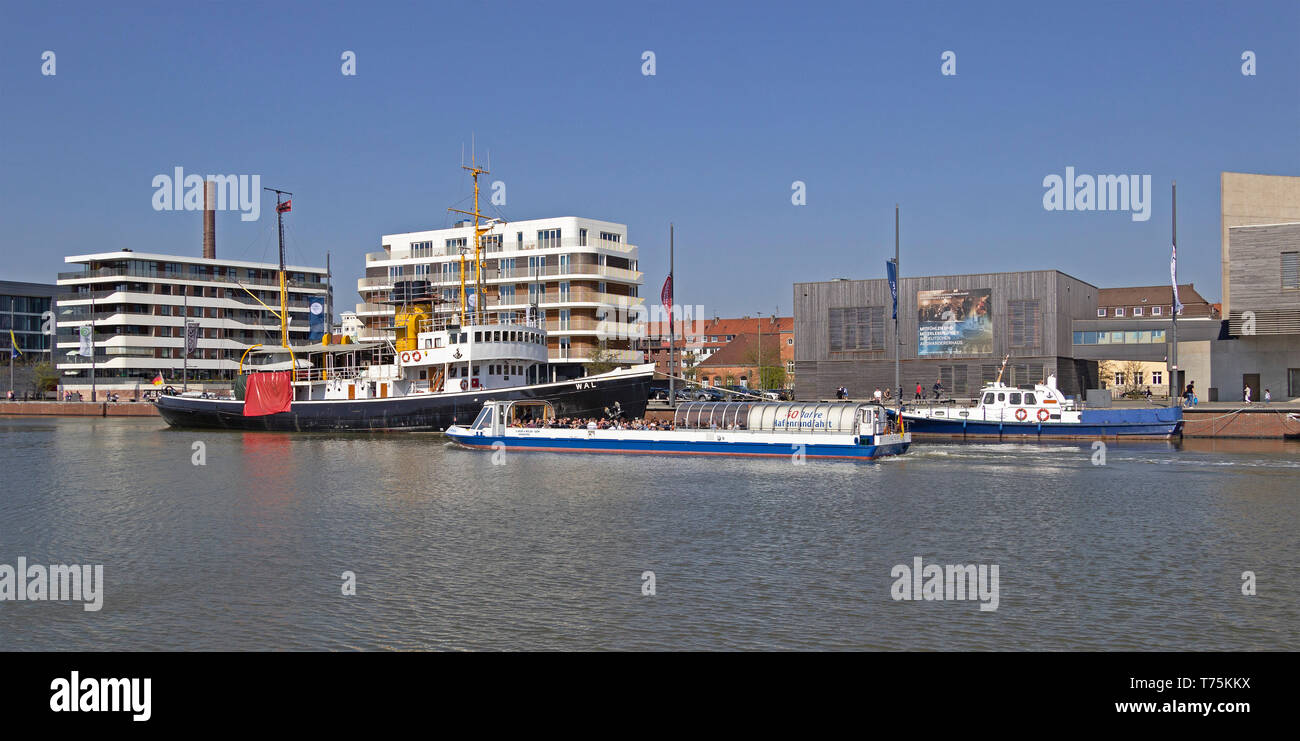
(854, 431)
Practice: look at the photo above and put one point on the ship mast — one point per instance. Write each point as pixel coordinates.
(284, 290)
(479, 230)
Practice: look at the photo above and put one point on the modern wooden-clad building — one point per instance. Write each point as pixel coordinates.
(954, 329)
(1264, 321)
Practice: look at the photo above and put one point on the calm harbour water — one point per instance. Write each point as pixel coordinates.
(547, 551)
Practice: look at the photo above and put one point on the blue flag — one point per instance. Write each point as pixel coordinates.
(891, 269)
(316, 318)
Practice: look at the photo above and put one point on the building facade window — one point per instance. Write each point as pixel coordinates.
(1119, 311)
(1101, 312)
(856, 329)
(1137, 311)
(1024, 320)
(1155, 311)
(1291, 270)
(611, 237)
(1157, 378)
(547, 238)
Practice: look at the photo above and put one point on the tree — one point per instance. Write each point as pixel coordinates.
(602, 360)
(773, 375)
(689, 361)
(44, 377)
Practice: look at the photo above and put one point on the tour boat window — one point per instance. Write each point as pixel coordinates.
(437, 342)
(496, 336)
(1030, 399)
(482, 419)
(1015, 398)
(476, 370)
(1002, 397)
(988, 398)
(478, 336)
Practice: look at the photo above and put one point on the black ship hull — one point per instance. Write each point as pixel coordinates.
(594, 396)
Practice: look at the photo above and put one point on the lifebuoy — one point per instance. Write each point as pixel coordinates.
(1043, 414)
(1021, 414)
(415, 356)
(464, 384)
(406, 357)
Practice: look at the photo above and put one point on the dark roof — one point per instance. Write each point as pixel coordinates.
(19, 288)
(1148, 295)
(738, 352)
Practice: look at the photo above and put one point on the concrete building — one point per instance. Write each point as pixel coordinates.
(138, 302)
(1263, 348)
(955, 329)
(579, 275)
(24, 308)
(1247, 199)
(1130, 338)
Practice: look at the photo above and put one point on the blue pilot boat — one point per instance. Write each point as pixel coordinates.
(846, 431)
(1038, 410)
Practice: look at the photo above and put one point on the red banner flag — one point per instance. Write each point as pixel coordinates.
(285, 207)
(267, 393)
(666, 295)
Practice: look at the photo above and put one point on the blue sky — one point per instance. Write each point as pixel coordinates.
(747, 98)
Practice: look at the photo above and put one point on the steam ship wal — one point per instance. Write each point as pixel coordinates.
(439, 371)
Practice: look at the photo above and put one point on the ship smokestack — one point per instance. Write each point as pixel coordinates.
(209, 220)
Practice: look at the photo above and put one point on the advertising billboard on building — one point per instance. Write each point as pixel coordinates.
(952, 323)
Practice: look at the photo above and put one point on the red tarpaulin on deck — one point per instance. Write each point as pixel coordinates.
(267, 393)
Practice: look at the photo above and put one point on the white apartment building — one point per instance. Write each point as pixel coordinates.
(138, 304)
(578, 275)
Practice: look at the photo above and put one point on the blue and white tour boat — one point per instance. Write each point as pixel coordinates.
(840, 430)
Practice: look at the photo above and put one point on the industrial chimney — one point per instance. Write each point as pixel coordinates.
(209, 219)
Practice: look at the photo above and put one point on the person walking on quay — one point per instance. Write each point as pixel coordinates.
(1268, 396)
(877, 395)
(1245, 394)
(938, 390)
(920, 392)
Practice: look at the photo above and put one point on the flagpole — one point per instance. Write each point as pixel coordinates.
(185, 339)
(92, 347)
(1175, 387)
(672, 335)
(898, 280)
(13, 341)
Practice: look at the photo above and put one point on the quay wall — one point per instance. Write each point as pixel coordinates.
(78, 408)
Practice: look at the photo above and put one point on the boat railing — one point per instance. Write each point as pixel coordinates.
(317, 375)
(449, 321)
